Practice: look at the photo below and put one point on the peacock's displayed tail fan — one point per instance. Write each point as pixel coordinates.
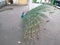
(32, 22)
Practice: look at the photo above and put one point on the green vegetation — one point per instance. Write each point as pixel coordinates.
(34, 1)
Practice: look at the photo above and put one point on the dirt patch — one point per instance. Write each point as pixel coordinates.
(5, 9)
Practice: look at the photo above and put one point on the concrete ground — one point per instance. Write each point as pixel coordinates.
(11, 31)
